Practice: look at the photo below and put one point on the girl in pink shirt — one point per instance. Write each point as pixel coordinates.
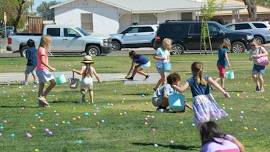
(44, 70)
(213, 140)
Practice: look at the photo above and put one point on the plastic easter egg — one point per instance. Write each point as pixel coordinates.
(155, 145)
(46, 129)
(50, 133)
(28, 135)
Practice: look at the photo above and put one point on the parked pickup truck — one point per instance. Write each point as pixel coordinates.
(65, 39)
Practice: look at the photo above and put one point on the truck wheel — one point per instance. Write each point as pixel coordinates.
(93, 50)
(177, 49)
(238, 47)
(23, 50)
(259, 39)
(116, 45)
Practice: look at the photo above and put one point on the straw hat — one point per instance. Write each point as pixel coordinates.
(87, 59)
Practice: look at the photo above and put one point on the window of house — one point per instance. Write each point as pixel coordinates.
(146, 29)
(242, 26)
(55, 32)
(259, 25)
(70, 33)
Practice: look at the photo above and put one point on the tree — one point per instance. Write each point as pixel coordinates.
(16, 10)
(251, 7)
(44, 10)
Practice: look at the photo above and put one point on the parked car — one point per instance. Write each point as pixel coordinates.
(9, 29)
(186, 35)
(134, 37)
(65, 39)
(260, 29)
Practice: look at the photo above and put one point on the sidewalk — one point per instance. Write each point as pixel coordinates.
(19, 77)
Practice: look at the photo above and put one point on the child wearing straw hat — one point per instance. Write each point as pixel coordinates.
(87, 71)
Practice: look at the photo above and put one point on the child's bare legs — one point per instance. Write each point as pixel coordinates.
(91, 95)
(255, 79)
(34, 77)
(26, 78)
(260, 81)
(50, 87)
(222, 81)
(161, 81)
(83, 95)
(40, 89)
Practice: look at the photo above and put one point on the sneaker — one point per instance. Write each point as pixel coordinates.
(42, 102)
(24, 83)
(257, 89)
(262, 90)
(146, 77)
(130, 78)
(162, 110)
(36, 82)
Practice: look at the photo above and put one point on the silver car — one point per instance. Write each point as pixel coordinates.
(260, 29)
(135, 36)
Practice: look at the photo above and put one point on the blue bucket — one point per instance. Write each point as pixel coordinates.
(176, 102)
(167, 66)
(229, 75)
(61, 79)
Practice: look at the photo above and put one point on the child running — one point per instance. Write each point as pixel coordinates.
(162, 56)
(205, 107)
(213, 140)
(87, 72)
(258, 71)
(43, 70)
(31, 56)
(223, 60)
(142, 63)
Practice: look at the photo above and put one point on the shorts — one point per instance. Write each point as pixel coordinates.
(87, 83)
(146, 65)
(222, 71)
(157, 101)
(30, 69)
(258, 69)
(44, 76)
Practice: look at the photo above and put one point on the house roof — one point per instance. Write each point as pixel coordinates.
(152, 6)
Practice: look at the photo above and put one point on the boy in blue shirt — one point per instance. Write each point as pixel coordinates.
(31, 56)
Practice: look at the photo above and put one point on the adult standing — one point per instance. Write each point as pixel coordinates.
(162, 56)
(258, 70)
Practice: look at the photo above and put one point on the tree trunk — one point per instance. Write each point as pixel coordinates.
(251, 7)
(19, 14)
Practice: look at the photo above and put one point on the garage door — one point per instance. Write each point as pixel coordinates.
(147, 19)
(87, 21)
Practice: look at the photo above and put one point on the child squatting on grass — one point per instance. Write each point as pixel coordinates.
(31, 56)
(213, 140)
(44, 70)
(223, 60)
(160, 97)
(87, 72)
(205, 107)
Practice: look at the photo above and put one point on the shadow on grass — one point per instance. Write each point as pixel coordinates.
(62, 101)
(171, 146)
(137, 94)
(238, 91)
(19, 106)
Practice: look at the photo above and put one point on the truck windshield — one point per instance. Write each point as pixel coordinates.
(84, 33)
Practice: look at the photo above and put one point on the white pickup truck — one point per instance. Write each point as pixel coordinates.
(65, 39)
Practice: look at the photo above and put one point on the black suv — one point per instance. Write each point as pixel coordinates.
(186, 35)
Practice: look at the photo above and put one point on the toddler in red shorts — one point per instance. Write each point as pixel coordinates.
(223, 60)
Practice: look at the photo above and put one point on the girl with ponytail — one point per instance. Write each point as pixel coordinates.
(205, 107)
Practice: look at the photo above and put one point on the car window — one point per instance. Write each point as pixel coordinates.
(244, 26)
(146, 29)
(231, 27)
(195, 29)
(259, 25)
(133, 30)
(173, 30)
(213, 28)
(68, 32)
(55, 32)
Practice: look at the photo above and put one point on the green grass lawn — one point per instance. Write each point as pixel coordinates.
(121, 112)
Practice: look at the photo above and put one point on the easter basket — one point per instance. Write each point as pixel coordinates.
(73, 82)
(176, 102)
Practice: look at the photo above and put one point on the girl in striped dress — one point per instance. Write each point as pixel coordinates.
(205, 107)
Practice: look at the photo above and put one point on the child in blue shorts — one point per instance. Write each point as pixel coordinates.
(31, 56)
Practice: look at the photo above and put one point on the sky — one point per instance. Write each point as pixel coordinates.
(38, 2)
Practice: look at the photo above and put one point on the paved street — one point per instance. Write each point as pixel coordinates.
(6, 78)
